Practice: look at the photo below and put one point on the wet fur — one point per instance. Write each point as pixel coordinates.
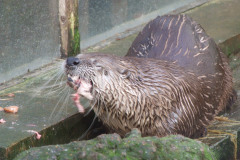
(176, 86)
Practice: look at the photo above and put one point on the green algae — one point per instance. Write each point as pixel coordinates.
(134, 146)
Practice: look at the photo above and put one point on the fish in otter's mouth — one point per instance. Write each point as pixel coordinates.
(82, 86)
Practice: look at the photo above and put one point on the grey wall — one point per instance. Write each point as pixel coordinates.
(29, 35)
(101, 19)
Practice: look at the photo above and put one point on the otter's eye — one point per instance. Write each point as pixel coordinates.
(125, 73)
(95, 62)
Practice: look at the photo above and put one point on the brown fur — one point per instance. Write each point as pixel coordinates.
(178, 92)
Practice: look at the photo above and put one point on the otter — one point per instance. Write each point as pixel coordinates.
(173, 80)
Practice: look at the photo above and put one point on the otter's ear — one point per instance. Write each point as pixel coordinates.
(125, 73)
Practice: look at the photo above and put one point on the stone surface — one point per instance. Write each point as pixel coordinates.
(111, 146)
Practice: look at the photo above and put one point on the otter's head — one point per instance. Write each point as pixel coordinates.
(92, 74)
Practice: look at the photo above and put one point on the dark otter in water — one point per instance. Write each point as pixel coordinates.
(174, 80)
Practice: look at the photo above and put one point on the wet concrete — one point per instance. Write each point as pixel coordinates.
(219, 18)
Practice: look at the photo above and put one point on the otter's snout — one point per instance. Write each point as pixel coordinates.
(72, 61)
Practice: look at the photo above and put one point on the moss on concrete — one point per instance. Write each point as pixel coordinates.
(132, 147)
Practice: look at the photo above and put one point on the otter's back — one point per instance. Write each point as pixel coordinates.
(180, 40)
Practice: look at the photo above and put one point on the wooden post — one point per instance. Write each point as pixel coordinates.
(68, 18)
